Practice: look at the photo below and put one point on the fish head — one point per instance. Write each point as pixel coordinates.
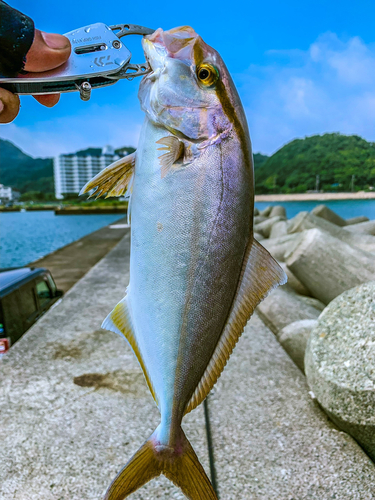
(189, 90)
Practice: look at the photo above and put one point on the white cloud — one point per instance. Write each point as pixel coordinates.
(94, 127)
(328, 88)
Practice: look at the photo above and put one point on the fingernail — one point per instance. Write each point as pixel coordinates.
(55, 41)
(1, 106)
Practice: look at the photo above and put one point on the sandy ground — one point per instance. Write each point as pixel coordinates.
(361, 195)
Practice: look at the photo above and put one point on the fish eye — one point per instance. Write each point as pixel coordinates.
(207, 74)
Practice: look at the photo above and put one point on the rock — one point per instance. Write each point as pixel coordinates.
(305, 220)
(294, 339)
(327, 266)
(356, 220)
(259, 218)
(278, 210)
(282, 307)
(266, 226)
(266, 211)
(367, 227)
(258, 236)
(270, 439)
(279, 229)
(326, 213)
(278, 247)
(293, 282)
(256, 211)
(340, 363)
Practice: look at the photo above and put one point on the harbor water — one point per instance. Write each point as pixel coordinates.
(27, 236)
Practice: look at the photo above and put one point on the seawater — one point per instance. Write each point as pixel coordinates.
(27, 236)
(345, 208)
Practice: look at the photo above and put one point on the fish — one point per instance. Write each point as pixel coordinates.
(196, 271)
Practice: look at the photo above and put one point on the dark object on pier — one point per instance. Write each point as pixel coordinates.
(26, 293)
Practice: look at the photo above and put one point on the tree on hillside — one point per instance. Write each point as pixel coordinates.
(334, 157)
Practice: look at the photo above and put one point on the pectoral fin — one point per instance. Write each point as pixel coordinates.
(113, 180)
(175, 150)
(260, 275)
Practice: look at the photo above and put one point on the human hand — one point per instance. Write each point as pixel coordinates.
(48, 51)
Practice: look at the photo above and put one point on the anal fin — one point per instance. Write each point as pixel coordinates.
(112, 180)
(119, 321)
(259, 276)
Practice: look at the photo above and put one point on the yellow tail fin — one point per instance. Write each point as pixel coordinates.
(181, 466)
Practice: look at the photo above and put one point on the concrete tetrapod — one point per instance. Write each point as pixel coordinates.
(305, 220)
(279, 229)
(294, 339)
(293, 282)
(340, 363)
(356, 220)
(328, 266)
(266, 226)
(283, 306)
(326, 213)
(278, 247)
(266, 211)
(367, 227)
(278, 210)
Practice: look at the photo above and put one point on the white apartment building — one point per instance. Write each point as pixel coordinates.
(72, 171)
(6, 193)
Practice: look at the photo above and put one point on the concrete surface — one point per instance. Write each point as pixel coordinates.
(340, 363)
(271, 440)
(73, 402)
(69, 263)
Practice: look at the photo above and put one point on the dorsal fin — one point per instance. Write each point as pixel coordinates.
(119, 321)
(259, 276)
(112, 180)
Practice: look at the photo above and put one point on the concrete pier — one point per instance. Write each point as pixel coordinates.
(69, 263)
(74, 407)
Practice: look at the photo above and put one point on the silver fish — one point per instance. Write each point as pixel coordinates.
(196, 273)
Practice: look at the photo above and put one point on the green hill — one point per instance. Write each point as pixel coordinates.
(259, 160)
(34, 175)
(334, 157)
(22, 172)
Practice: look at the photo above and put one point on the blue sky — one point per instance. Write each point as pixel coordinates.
(301, 67)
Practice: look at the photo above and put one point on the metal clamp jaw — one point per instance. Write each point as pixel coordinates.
(98, 59)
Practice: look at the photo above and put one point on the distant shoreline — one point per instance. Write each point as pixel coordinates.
(361, 195)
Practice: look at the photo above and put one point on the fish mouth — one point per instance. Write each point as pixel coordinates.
(176, 43)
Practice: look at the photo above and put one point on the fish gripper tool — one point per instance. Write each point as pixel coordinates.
(98, 58)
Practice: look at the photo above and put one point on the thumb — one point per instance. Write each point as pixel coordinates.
(48, 51)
